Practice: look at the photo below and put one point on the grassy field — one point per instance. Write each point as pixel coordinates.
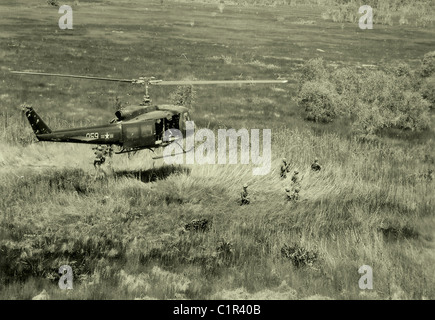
(126, 237)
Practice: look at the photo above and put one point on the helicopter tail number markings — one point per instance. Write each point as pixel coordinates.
(92, 135)
(96, 135)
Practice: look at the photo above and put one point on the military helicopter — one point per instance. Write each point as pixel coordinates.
(134, 127)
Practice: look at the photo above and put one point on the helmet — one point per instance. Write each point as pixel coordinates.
(245, 185)
(315, 160)
(284, 160)
(100, 148)
(287, 189)
(297, 190)
(296, 171)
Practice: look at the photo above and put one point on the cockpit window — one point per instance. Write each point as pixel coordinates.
(132, 132)
(146, 130)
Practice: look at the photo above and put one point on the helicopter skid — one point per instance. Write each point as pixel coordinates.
(184, 152)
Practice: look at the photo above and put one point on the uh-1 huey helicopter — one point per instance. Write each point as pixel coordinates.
(135, 127)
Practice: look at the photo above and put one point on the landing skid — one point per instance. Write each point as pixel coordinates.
(127, 150)
(184, 151)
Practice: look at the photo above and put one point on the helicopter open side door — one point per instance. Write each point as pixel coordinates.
(165, 124)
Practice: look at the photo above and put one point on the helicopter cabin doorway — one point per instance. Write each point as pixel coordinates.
(165, 124)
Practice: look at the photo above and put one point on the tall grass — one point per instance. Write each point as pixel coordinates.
(124, 236)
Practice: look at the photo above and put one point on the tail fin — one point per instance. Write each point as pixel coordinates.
(38, 125)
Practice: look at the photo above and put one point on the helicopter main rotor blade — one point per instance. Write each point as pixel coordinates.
(73, 76)
(189, 82)
(152, 81)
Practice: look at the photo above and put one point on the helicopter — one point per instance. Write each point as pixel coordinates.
(135, 127)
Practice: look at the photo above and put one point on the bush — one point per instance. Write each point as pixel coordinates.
(347, 85)
(184, 96)
(344, 13)
(313, 69)
(299, 256)
(319, 100)
(395, 98)
(412, 112)
(369, 121)
(409, 111)
(418, 12)
(392, 103)
(379, 87)
(399, 69)
(54, 3)
(346, 80)
(428, 64)
(428, 91)
(198, 225)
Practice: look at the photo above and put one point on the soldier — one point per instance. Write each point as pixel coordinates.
(288, 194)
(244, 195)
(295, 178)
(315, 166)
(284, 168)
(295, 194)
(109, 151)
(99, 157)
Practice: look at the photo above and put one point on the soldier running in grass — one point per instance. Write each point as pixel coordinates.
(284, 168)
(98, 161)
(245, 199)
(288, 194)
(296, 179)
(99, 157)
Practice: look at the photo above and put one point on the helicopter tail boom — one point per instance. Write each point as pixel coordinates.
(38, 125)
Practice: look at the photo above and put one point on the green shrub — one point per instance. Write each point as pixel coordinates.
(428, 64)
(399, 69)
(347, 12)
(347, 84)
(319, 100)
(369, 120)
(428, 91)
(299, 256)
(394, 98)
(54, 3)
(412, 112)
(198, 225)
(184, 96)
(379, 87)
(313, 69)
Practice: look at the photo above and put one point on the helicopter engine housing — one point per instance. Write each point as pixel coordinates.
(131, 112)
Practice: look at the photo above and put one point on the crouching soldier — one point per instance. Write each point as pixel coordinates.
(284, 168)
(292, 196)
(288, 194)
(296, 179)
(245, 199)
(99, 157)
(295, 194)
(316, 166)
